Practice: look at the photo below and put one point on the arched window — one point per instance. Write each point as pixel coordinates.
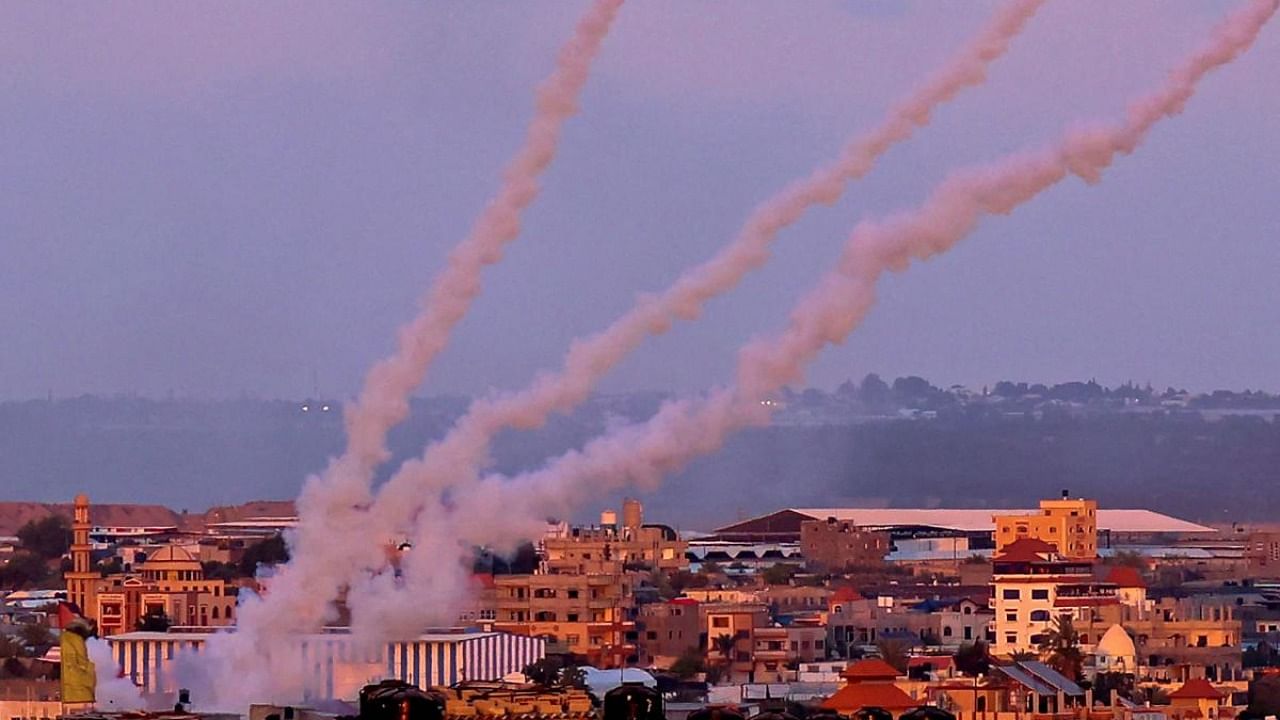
(1039, 616)
(982, 704)
(214, 613)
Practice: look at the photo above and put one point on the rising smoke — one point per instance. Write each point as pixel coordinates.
(682, 430)
(499, 511)
(331, 503)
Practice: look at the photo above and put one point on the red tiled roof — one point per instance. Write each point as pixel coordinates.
(1025, 550)
(683, 601)
(1197, 689)
(857, 695)
(870, 669)
(1125, 577)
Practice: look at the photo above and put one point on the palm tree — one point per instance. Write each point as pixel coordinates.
(1061, 647)
(725, 645)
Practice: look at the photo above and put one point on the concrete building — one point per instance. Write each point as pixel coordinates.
(590, 615)
(1070, 525)
(611, 546)
(1033, 584)
(839, 545)
(335, 669)
(738, 623)
(665, 631)
(778, 651)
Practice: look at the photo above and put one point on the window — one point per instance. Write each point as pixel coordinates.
(1040, 594)
(651, 635)
(572, 593)
(572, 617)
(1037, 639)
(572, 639)
(1010, 594)
(720, 622)
(968, 633)
(1011, 638)
(1011, 616)
(1039, 616)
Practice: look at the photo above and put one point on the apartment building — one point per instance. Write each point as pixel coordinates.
(667, 630)
(590, 615)
(836, 545)
(731, 636)
(778, 651)
(600, 549)
(1033, 584)
(1070, 525)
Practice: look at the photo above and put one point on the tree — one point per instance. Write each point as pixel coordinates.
(556, 671)
(24, 569)
(10, 647)
(271, 551)
(154, 620)
(1023, 656)
(895, 652)
(972, 659)
(1264, 697)
(690, 663)
(725, 645)
(778, 574)
(49, 537)
(874, 392)
(1105, 685)
(35, 635)
(710, 568)
(1061, 646)
(1261, 655)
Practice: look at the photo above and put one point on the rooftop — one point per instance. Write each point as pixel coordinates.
(967, 519)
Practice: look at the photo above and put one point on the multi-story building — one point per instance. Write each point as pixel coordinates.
(1070, 525)
(778, 651)
(1263, 554)
(837, 545)
(667, 630)
(738, 624)
(602, 549)
(1033, 584)
(170, 583)
(591, 615)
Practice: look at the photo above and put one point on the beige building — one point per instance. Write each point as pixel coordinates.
(777, 651)
(667, 630)
(1070, 525)
(1033, 584)
(612, 545)
(739, 623)
(591, 615)
(170, 582)
(838, 545)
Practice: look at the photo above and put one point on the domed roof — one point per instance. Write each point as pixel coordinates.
(172, 556)
(82, 500)
(1116, 642)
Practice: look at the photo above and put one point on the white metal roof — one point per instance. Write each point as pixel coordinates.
(983, 519)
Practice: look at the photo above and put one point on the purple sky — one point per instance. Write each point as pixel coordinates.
(216, 199)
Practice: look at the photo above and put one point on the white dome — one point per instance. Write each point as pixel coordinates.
(1116, 648)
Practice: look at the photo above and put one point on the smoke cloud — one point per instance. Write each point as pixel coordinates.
(302, 593)
(502, 511)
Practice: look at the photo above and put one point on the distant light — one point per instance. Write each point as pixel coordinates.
(306, 408)
(324, 408)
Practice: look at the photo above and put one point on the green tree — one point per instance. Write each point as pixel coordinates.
(895, 652)
(725, 645)
(49, 537)
(24, 569)
(556, 671)
(1264, 697)
(690, 663)
(271, 551)
(778, 574)
(973, 660)
(1061, 647)
(1105, 685)
(36, 636)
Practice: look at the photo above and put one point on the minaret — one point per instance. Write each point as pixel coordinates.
(82, 580)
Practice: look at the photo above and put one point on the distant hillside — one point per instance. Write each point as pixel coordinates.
(14, 515)
(1211, 458)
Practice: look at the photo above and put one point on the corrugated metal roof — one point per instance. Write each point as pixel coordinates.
(1053, 677)
(982, 519)
(1031, 682)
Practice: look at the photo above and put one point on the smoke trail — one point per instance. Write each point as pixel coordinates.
(454, 459)
(685, 429)
(329, 506)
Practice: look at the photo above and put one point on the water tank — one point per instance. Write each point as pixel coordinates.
(632, 514)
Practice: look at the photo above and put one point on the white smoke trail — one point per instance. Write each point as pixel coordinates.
(454, 459)
(112, 693)
(506, 511)
(330, 505)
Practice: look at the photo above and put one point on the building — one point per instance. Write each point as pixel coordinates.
(1069, 525)
(978, 524)
(335, 669)
(584, 550)
(590, 615)
(730, 632)
(667, 630)
(1199, 697)
(778, 651)
(838, 545)
(1263, 554)
(869, 683)
(1033, 584)
(169, 583)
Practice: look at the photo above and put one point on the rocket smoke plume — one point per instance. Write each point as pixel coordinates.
(302, 593)
(456, 458)
(682, 430)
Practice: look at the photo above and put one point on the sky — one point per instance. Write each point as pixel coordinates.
(240, 198)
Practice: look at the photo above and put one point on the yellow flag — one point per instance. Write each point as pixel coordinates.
(78, 676)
